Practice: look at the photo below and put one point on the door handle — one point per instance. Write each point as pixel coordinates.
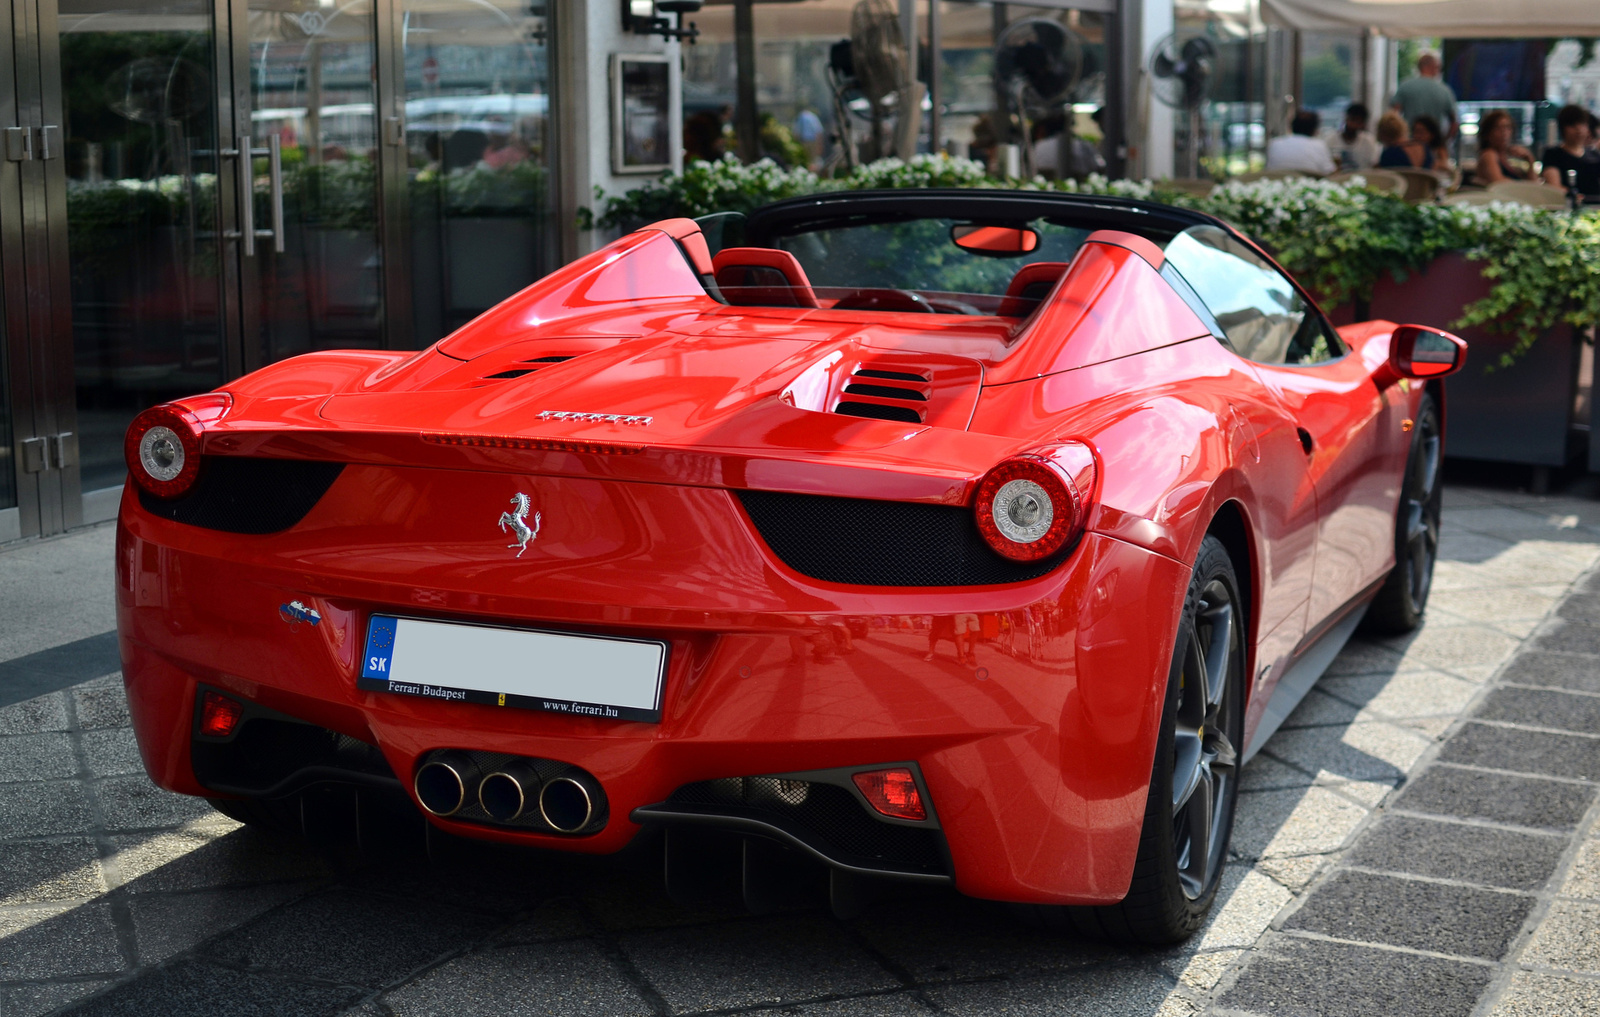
(1305, 439)
(245, 177)
(35, 457)
(19, 144)
(274, 154)
(276, 148)
(64, 449)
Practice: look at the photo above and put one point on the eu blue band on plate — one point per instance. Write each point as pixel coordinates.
(380, 647)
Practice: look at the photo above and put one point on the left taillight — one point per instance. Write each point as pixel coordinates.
(1032, 505)
(162, 446)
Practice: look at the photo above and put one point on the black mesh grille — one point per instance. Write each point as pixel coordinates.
(828, 813)
(882, 543)
(243, 495)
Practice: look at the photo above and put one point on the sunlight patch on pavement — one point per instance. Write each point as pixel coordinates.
(24, 908)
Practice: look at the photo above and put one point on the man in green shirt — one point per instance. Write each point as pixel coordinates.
(1427, 95)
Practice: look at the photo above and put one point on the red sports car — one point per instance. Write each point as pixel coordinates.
(956, 536)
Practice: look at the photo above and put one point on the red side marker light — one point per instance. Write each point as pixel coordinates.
(219, 715)
(892, 792)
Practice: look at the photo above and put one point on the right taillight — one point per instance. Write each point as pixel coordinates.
(162, 445)
(1032, 505)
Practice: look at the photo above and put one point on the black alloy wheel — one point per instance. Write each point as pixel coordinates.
(1194, 781)
(1403, 598)
(1205, 760)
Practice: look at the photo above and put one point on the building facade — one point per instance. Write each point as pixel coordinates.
(192, 189)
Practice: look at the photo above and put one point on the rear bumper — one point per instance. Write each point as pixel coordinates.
(1036, 761)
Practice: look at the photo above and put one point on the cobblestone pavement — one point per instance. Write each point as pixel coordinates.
(1419, 838)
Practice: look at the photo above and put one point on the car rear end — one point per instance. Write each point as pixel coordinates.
(701, 647)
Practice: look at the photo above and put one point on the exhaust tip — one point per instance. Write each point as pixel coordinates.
(504, 794)
(441, 783)
(566, 804)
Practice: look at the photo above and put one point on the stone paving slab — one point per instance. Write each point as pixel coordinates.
(1473, 890)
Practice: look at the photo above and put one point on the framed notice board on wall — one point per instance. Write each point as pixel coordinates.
(640, 113)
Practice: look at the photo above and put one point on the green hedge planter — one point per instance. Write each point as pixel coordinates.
(1516, 414)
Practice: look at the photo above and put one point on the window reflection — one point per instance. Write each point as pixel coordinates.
(141, 170)
(477, 110)
(311, 85)
(1261, 313)
(800, 117)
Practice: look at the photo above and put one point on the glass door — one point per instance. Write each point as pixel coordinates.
(312, 262)
(192, 189)
(145, 252)
(477, 133)
(13, 292)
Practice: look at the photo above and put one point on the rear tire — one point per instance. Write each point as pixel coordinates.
(1400, 603)
(1194, 785)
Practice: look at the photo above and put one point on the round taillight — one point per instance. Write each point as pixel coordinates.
(1026, 509)
(163, 450)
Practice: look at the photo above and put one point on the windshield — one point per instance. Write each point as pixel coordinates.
(903, 265)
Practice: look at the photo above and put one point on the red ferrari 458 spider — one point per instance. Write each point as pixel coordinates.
(968, 537)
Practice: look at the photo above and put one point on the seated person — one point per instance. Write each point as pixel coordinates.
(1425, 149)
(1300, 150)
(1574, 153)
(1392, 139)
(1354, 148)
(1498, 158)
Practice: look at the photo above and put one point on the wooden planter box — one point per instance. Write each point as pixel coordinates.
(1516, 414)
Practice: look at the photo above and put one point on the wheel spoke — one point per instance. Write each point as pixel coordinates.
(1204, 719)
(1195, 862)
(1416, 520)
(1216, 617)
(1187, 771)
(1220, 749)
(1428, 465)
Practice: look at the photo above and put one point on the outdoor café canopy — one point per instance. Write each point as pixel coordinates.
(1458, 19)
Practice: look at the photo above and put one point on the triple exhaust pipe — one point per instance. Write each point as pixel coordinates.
(449, 781)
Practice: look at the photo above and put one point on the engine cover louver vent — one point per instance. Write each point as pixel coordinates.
(517, 372)
(885, 394)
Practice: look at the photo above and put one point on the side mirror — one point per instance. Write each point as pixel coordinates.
(1416, 351)
(994, 241)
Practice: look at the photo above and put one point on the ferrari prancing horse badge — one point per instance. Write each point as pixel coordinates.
(515, 522)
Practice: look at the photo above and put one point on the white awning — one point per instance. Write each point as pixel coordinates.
(1457, 19)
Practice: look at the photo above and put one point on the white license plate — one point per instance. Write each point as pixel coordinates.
(587, 676)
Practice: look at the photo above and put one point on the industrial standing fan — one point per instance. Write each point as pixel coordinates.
(1037, 64)
(1180, 77)
(873, 65)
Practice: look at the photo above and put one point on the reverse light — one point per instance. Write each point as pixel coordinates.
(892, 792)
(162, 445)
(1032, 505)
(219, 715)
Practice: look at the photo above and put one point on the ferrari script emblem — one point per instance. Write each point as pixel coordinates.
(631, 419)
(515, 523)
